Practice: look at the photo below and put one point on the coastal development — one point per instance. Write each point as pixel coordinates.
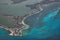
(20, 25)
(19, 21)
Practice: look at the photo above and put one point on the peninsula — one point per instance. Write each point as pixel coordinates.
(19, 21)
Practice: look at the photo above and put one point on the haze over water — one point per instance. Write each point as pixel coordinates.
(50, 30)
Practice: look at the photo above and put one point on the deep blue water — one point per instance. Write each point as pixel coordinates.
(43, 26)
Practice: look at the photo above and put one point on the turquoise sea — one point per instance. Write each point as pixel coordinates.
(46, 25)
(43, 26)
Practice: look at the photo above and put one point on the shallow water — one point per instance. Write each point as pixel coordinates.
(42, 27)
(48, 31)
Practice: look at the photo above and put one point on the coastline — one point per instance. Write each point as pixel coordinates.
(17, 31)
